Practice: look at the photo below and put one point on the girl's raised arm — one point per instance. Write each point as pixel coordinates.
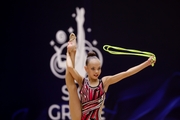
(108, 80)
(72, 70)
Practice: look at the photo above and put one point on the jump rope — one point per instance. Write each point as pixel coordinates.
(123, 51)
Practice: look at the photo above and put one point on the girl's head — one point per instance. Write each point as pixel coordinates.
(93, 66)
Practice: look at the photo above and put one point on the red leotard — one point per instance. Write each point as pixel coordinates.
(91, 99)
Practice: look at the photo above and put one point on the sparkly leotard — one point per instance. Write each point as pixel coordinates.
(91, 99)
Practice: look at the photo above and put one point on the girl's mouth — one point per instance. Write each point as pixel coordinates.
(96, 75)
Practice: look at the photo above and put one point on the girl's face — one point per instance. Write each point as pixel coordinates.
(93, 68)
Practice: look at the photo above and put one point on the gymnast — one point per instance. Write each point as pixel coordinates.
(92, 88)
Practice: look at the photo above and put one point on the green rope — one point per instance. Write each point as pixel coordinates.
(124, 51)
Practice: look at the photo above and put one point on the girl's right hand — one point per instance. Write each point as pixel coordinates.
(69, 47)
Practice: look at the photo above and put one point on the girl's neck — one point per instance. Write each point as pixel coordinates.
(93, 82)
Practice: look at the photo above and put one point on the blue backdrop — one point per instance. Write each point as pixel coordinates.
(32, 85)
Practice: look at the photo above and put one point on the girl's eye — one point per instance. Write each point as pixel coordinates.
(92, 69)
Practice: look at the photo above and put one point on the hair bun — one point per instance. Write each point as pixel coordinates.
(91, 54)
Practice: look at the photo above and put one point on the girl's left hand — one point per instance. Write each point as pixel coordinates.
(151, 60)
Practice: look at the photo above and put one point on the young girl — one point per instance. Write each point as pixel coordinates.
(92, 89)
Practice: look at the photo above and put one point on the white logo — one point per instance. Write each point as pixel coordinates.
(58, 60)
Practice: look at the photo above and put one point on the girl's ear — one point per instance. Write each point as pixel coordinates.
(85, 67)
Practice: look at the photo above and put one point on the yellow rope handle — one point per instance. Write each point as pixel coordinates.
(127, 52)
